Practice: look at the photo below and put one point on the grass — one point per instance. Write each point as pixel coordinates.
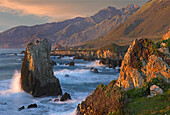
(158, 105)
(140, 104)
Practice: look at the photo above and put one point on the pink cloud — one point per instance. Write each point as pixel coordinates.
(52, 9)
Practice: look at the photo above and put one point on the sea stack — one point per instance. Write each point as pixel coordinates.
(37, 77)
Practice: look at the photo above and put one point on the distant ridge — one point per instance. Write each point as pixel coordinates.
(69, 32)
(152, 20)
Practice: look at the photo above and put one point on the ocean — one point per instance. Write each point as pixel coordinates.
(79, 83)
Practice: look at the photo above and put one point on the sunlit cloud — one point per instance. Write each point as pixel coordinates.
(52, 9)
(31, 12)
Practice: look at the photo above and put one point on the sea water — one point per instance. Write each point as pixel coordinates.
(79, 83)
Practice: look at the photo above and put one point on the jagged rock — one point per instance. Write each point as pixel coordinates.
(56, 100)
(22, 52)
(156, 67)
(54, 63)
(104, 99)
(91, 69)
(141, 63)
(96, 70)
(37, 77)
(155, 90)
(65, 97)
(21, 108)
(70, 63)
(59, 57)
(66, 75)
(32, 106)
(78, 57)
(166, 36)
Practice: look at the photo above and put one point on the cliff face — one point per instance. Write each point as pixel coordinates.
(37, 76)
(141, 63)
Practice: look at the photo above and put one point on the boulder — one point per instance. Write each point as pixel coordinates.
(66, 75)
(37, 77)
(91, 69)
(59, 57)
(65, 97)
(56, 100)
(32, 106)
(21, 108)
(155, 90)
(22, 52)
(70, 63)
(96, 70)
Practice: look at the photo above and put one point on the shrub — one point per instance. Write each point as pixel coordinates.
(145, 89)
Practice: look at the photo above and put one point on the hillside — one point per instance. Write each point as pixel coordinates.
(69, 32)
(150, 21)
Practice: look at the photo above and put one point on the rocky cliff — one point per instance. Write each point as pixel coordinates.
(37, 76)
(142, 62)
(143, 66)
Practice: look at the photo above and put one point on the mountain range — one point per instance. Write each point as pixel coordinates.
(151, 21)
(70, 32)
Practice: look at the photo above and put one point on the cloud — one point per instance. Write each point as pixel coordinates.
(53, 9)
(59, 9)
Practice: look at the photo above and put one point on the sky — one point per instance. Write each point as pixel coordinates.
(31, 12)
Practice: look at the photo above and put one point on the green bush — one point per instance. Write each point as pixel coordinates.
(145, 89)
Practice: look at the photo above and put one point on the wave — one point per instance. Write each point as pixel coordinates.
(71, 72)
(15, 85)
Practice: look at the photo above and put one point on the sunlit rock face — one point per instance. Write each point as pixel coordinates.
(166, 36)
(142, 62)
(37, 77)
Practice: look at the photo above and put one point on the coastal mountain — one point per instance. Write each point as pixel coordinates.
(150, 21)
(69, 32)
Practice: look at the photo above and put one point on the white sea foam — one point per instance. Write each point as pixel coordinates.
(15, 83)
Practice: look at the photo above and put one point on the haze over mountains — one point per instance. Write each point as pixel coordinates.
(152, 20)
(69, 32)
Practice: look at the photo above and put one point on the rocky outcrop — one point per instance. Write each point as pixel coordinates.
(70, 63)
(155, 90)
(142, 62)
(166, 36)
(32, 106)
(112, 63)
(105, 100)
(65, 97)
(37, 77)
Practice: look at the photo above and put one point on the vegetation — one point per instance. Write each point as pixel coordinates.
(141, 104)
(115, 48)
(104, 100)
(167, 42)
(158, 105)
(145, 91)
(112, 100)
